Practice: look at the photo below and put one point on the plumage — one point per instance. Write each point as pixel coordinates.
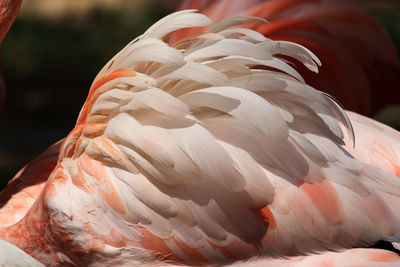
(357, 55)
(251, 165)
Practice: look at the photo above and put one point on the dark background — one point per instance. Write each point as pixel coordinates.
(49, 61)
(51, 55)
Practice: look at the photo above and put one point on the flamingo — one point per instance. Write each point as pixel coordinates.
(186, 154)
(9, 11)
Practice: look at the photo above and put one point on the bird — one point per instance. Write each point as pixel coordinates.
(358, 57)
(188, 153)
(8, 14)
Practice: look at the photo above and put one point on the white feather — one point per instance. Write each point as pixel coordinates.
(227, 62)
(243, 105)
(228, 47)
(191, 71)
(253, 35)
(151, 53)
(159, 100)
(293, 50)
(235, 21)
(267, 152)
(176, 21)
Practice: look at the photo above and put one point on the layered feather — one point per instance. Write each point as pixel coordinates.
(197, 155)
(358, 57)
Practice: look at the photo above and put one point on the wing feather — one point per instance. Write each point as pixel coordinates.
(199, 152)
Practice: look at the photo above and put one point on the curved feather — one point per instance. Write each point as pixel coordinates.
(357, 55)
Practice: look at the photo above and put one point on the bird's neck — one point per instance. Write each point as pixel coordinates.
(33, 234)
(41, 232)
(8, 12)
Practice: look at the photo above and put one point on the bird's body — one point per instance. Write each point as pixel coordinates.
(190, 154)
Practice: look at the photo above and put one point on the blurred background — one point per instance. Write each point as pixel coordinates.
(55, 49)
(50, 57)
